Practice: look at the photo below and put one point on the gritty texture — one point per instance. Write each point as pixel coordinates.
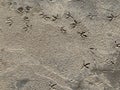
(59, 45)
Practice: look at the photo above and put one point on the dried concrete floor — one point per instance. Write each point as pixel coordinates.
(59, 45)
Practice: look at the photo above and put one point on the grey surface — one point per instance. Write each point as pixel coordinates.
(59, 45)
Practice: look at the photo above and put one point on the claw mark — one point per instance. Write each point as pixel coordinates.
(74, 24)
(52, 85)
(86, 65)
(28, 8)
(54, 18)
(111, 17)
(91, 16)
(9, 21)
(68, 15)
(20, 10)
(62, 30)
(82, 34)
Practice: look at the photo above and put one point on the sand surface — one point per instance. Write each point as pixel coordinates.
(59, 45)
